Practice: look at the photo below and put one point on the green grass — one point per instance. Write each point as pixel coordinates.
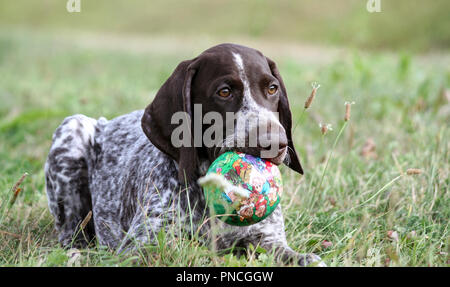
(399, 104)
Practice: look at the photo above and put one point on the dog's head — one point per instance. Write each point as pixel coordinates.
(240, 85)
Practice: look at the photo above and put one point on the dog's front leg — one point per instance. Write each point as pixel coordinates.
(270, 235)
(273, 239)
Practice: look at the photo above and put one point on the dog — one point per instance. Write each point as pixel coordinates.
(128, 172)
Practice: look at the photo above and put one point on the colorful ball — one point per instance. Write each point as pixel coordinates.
(242, 189)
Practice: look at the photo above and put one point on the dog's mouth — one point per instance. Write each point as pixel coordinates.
(280, 157)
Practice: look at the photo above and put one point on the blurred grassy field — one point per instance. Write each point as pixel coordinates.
(415, 25)
(111, 59)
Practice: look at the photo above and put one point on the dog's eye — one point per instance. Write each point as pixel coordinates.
(272, 89)
(224, 93)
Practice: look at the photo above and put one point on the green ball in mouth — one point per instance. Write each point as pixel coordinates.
(242, 189)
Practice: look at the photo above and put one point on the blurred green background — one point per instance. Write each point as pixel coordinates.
(416, 25)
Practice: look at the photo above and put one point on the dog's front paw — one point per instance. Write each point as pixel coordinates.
(311, 260)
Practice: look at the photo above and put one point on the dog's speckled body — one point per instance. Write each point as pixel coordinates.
(135, 182)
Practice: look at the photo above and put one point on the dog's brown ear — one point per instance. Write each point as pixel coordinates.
(285, 115)
(174, 96)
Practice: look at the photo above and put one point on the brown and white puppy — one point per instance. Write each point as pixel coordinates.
(136, 180)
(227, 78)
